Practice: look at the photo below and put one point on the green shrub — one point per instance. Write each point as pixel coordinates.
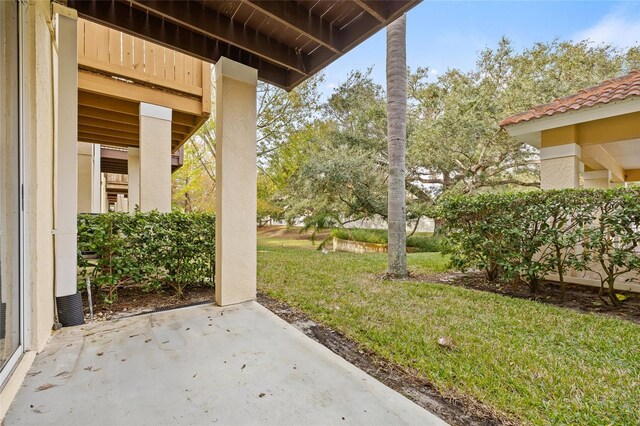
(424, 243)
(525, 236)
(420, 242)
(151, 249)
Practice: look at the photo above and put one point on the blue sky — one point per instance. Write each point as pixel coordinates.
(448, 34)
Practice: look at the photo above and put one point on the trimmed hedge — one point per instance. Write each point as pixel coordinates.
(422, 243)
(525, 236)
(151, 249)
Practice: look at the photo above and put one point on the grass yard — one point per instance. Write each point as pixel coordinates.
(530, 362)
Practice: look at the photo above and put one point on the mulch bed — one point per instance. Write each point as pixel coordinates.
(578, 297)
(452, 410)
(134, 300)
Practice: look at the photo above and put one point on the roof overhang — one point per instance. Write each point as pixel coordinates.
(530, 131)
(286, 41)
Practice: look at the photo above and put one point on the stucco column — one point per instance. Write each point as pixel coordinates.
(66, 184)
(68, 299)
(236, 182)
(597, 179)
(560, 166)
(85, 169)
(96, 179)
(133, 172)
(155, 158)
(104, 202)
(88, 178)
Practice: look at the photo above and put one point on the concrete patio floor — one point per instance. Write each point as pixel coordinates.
(201, 365)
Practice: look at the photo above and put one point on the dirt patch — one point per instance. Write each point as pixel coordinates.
(578, 297)
(453, 410)
(134, 301)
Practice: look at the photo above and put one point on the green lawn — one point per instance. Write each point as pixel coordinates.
(535, 363)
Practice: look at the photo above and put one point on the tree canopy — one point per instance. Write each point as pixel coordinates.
(326, 162)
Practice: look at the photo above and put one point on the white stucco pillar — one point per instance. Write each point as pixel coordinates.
(88, 178)
(597, 179)
(66, 124)
(85, 169)
(96, 179)
(133, 171)
(104, 201)
(155, 158)
(560, 166)
(236, 182)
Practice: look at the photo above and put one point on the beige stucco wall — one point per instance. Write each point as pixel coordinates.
(236, 185)
(39, 163)
(597, 179)
(560, 173)
(41, 174)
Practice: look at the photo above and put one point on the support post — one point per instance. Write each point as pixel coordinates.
(68, 299)
(560, 166)
(88, 178)
(155, 158)
(104, 201)
(96, 179)
(133, 171)
(597, 179)
(236, 182)
(85, 169)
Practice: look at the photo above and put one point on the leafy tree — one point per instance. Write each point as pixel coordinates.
(457, 143)
(280, 116)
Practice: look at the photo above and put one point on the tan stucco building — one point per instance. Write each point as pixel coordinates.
(590, 139)
(587, 140)
(69, 87)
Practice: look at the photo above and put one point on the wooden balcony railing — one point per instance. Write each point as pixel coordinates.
(116, 54)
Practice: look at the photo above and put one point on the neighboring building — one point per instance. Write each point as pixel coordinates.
(590, 139)
(65, 80)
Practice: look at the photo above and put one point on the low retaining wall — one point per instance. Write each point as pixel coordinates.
(351, 246)
(357, 246)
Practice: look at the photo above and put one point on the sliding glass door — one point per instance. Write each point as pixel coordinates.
(10, 297)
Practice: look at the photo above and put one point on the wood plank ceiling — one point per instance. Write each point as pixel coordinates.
(286, 41)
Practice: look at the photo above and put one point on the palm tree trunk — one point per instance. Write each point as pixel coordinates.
(396, 140)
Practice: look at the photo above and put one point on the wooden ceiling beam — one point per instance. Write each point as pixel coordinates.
(377, 9)
(99, 122)
(108, 103)
(356, 32)
(109, 131)
(138, 23)
(106, 140)
(186, 119)
(89, 112)
(632, 175)
(113, 154)
(294, 16)
(135, 93)
(208, 22)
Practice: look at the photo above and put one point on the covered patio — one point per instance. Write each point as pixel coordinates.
(248, 366)
(234, 365)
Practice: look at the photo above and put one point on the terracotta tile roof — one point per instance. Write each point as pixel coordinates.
(611, 90)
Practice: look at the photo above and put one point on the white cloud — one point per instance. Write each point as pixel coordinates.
(617, 28)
